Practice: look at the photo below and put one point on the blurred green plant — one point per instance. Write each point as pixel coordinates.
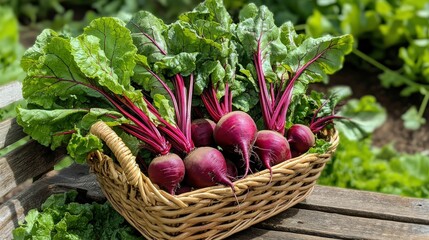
(359, 165)
(366, 113)
(11, 50)
(59, 13)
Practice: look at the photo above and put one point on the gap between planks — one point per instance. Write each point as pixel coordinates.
(15, 167)
(254, 233)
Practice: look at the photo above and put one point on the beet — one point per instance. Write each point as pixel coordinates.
(236, 131)
(202, 132)
(272, 148)
(300, 138)
(206, 167)
(167, 171)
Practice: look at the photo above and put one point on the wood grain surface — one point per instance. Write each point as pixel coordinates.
(10, 132)
(27, 161)
(10, 92)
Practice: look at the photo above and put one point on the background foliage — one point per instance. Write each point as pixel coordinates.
(392, 41)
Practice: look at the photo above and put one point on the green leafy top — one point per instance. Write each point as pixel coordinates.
(283, 62)
(257, 30)
(63, 75)
(125, 73)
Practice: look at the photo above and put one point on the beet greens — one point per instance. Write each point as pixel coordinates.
(86, 67)
(281, 58)
(144, 78)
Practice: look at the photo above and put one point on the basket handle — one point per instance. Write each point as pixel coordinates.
(126, 159)
(128, 163)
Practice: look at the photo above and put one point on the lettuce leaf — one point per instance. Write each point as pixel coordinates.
(359, 165)
(365, 113)
(62, 217)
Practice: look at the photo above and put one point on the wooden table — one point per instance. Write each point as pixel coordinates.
(328, 213)
(347, 214)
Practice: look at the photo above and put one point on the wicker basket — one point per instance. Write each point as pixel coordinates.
(209, 213)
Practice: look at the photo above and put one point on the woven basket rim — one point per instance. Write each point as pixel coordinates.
(101, 130)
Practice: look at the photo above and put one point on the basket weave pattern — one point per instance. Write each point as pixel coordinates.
(208, 213)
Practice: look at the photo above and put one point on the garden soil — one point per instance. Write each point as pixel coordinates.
(392, 131)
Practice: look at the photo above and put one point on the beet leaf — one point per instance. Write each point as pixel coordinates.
(284, 61)
(68, 78)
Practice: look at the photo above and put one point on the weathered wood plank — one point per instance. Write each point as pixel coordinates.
(335, 225)
(77, 176)
(10, 92)
(368, 204)
(13, 211)
(27, 161)
(74, 177)
(263, 234)
(10, 132)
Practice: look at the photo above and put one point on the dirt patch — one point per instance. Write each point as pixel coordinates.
(392, 131)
